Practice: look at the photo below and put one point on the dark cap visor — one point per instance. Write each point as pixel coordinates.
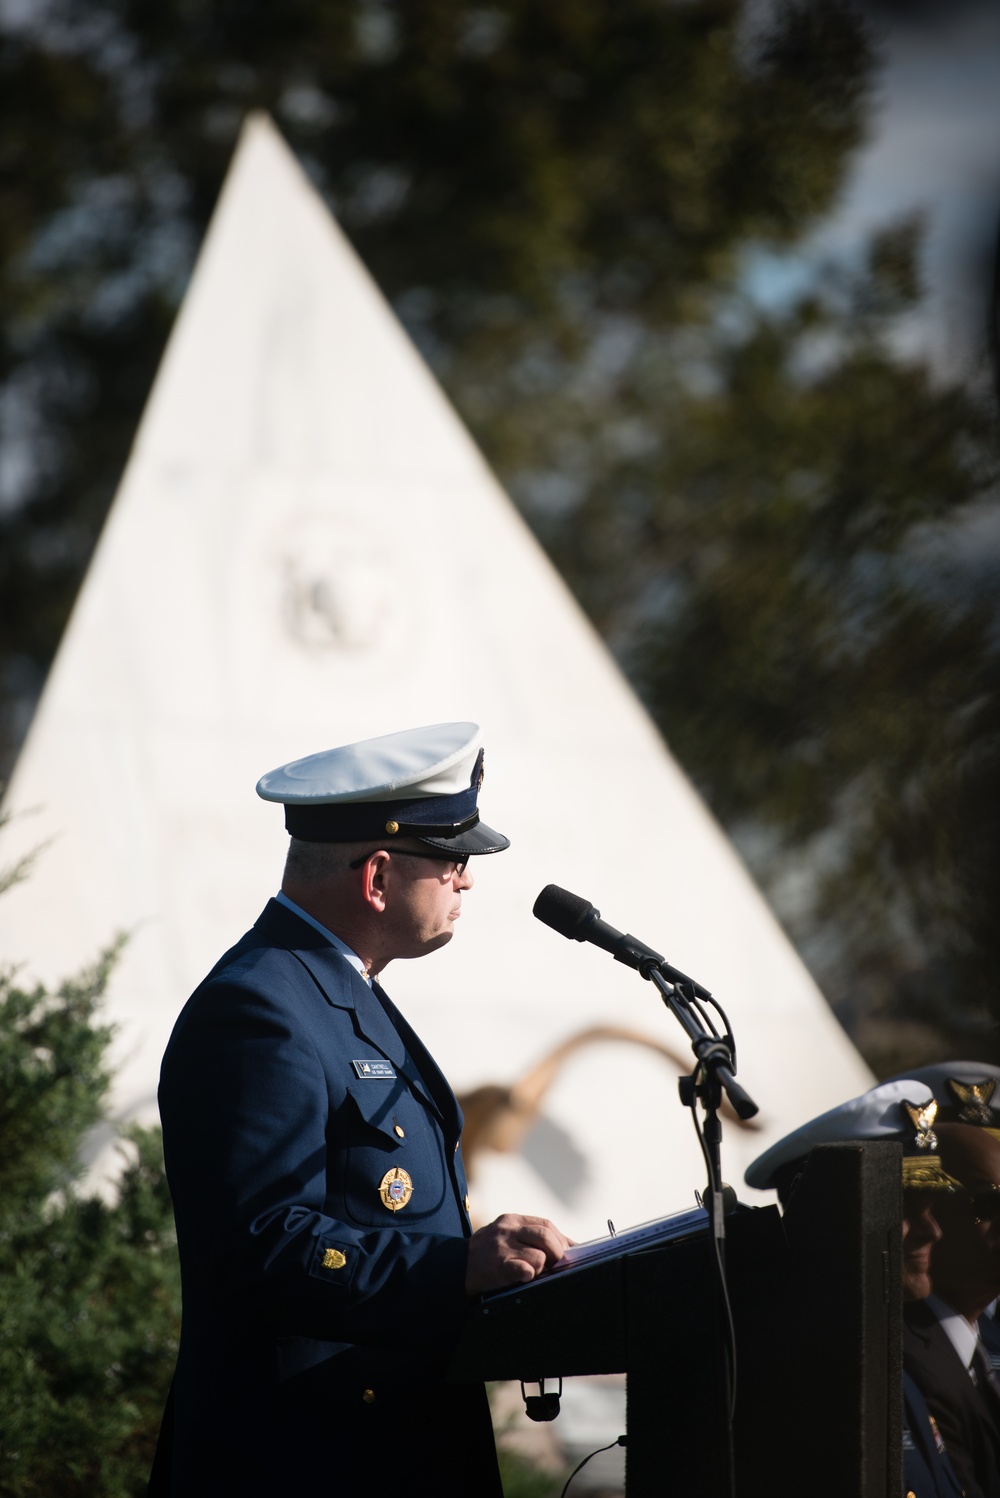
(478, 839)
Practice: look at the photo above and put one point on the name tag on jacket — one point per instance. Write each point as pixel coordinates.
(374, 1070)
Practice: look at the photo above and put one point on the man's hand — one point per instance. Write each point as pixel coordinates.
(512, 1251)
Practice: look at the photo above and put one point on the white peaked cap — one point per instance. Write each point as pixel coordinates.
(433, 761)
(422, 783)
(877, 1114)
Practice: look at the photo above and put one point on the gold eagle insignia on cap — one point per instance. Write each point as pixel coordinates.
(395, 1188)
(922, 1118)
(974, 1099)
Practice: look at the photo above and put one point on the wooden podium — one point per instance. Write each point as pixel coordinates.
(816, 1298)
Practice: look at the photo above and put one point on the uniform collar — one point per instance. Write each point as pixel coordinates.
(335, 976)
(331, 936)
(329, 962)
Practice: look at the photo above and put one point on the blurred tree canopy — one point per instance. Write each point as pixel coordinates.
(769, 508)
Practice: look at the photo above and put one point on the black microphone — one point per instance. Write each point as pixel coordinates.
(578, 920)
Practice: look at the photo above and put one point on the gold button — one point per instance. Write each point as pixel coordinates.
(333, 1259)
(466, 1203)
(457, 1143)
(392, 826)
(368, 1395)
(400, 1131)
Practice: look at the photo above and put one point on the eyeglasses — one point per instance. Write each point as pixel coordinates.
(458, 865)
(985, 1204)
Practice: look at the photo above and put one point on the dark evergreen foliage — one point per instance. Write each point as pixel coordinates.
(89, 1284)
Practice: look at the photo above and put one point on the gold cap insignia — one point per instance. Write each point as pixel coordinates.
(922, 1118)
(395, 1188)
(926, 1173)
(974, 1100)
(392, 826)
(333, 1259)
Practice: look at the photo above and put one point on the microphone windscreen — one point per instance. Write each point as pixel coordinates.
(564, 912)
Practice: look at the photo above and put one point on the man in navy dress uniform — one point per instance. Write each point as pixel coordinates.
(313, 1153)
(949, 1339)
(942, 1347)
(902, 1110)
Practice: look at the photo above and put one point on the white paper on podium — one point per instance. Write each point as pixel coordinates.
(690, 1224)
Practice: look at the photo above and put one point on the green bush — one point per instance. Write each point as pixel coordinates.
(89, 1287)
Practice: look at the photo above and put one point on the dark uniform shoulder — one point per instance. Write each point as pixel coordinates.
(269, 973)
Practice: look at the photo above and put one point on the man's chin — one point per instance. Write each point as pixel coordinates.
(916, 1284)
(432, 944)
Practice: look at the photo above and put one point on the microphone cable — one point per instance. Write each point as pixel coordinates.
(621, 1441)
(729, 1326)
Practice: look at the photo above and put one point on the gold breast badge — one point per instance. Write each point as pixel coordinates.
(395, 1188)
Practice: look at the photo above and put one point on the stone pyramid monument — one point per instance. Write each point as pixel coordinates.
(307, 549)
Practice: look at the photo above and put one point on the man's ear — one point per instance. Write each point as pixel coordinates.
(375, 880)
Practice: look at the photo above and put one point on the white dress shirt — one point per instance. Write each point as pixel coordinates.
(962, 1336)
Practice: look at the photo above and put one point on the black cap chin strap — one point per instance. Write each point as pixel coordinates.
(421, 829)
(340, 823)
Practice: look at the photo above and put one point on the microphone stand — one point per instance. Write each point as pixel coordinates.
(712, 1075)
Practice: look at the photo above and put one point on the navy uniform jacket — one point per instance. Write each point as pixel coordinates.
(965, 1414)
(927, 1472)
(989, 1335)
(317, 1322)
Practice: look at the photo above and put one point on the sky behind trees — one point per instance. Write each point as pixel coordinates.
(934, 123)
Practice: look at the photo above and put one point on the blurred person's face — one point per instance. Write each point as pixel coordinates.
(921, 1232)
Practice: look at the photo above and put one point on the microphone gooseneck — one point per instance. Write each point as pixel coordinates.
(577, 919)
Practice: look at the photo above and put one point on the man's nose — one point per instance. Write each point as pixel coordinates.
(930, 1228)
